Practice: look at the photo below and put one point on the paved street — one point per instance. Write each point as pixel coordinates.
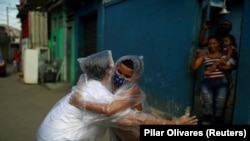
(23, 107)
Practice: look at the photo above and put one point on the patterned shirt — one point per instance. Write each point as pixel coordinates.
(234, 51)
(217, 73)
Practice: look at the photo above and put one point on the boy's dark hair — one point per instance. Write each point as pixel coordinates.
(128, 63)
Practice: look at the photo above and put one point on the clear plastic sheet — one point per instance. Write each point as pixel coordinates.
(119, 113)
(65, 122)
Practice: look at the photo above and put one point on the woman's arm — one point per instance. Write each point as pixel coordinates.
(133, 118)
(130, 98)
(197, 60)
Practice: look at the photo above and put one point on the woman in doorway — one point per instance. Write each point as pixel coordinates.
(214, 88)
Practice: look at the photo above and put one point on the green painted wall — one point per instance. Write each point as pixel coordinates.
(58, 42)
(57, 36)
(73, 58)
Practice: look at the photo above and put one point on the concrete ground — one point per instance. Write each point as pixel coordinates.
(23, 106)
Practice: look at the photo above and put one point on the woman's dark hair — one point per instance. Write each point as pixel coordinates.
(216, 37)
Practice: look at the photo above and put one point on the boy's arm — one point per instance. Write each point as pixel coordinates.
(134, 118)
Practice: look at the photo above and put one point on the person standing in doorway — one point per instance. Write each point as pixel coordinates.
(214, 87)
(223, 29)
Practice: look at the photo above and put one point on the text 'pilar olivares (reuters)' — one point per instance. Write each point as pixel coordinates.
(195, 132)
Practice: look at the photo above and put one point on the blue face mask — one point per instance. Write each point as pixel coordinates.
(119, 81)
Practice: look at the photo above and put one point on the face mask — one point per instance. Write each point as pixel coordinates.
(119, 81)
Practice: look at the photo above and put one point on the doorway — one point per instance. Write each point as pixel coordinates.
(90, 34)
(235, 17)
